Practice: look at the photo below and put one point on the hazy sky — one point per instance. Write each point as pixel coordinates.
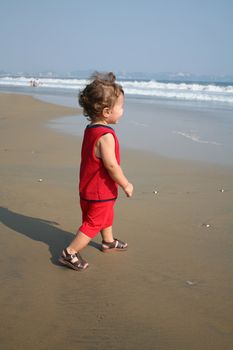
(121, 35)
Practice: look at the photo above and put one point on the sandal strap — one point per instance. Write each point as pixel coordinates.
(68, 255)
(81, 258)
(75, 259)
(71, 257)
(119, 244)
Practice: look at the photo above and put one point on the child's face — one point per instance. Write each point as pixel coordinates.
(117, 111)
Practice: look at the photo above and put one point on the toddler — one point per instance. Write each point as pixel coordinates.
(102, 101)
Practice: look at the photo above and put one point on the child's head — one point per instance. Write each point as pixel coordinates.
(100, 95)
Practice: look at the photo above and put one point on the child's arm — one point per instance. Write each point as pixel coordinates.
(106, 148)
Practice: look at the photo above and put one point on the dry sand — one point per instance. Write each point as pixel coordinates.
(171, 290)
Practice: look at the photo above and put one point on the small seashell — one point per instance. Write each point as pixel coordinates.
(206, 225)
(40, 180)
(190, 283)
(155, 192)
(221, 190)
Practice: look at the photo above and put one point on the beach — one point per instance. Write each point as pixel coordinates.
(172, 289)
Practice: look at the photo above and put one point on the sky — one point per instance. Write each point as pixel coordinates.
(147, 36)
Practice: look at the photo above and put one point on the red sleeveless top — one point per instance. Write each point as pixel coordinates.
(95, 184)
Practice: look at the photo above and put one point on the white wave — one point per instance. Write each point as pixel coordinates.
(195, 138)
(181, 91)
(44, 82)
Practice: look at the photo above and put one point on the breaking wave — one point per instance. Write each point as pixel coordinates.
(167, 90)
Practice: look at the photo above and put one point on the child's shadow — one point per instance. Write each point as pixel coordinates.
(40, 230)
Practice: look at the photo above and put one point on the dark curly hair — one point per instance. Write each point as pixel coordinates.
(102, 92)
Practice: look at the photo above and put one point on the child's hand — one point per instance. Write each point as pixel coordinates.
(129, 190)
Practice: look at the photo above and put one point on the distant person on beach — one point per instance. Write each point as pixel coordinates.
(34, 83)
(102, 101)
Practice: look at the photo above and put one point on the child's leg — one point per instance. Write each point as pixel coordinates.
(109, 243)
(79, 242)
(106, 234)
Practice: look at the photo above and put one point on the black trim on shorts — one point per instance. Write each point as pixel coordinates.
(98, 200)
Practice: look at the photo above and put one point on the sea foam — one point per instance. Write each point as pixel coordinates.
(154, 89)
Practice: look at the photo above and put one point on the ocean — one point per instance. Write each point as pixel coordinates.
(185, 120)
(179, 91)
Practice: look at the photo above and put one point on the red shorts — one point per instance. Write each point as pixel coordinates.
(96, 216)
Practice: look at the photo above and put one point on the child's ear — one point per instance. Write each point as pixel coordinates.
(106, 112)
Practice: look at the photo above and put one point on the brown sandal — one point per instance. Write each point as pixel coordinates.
(115, 246)
(74, 261)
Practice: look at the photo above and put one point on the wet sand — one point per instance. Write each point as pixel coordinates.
(172, 289)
